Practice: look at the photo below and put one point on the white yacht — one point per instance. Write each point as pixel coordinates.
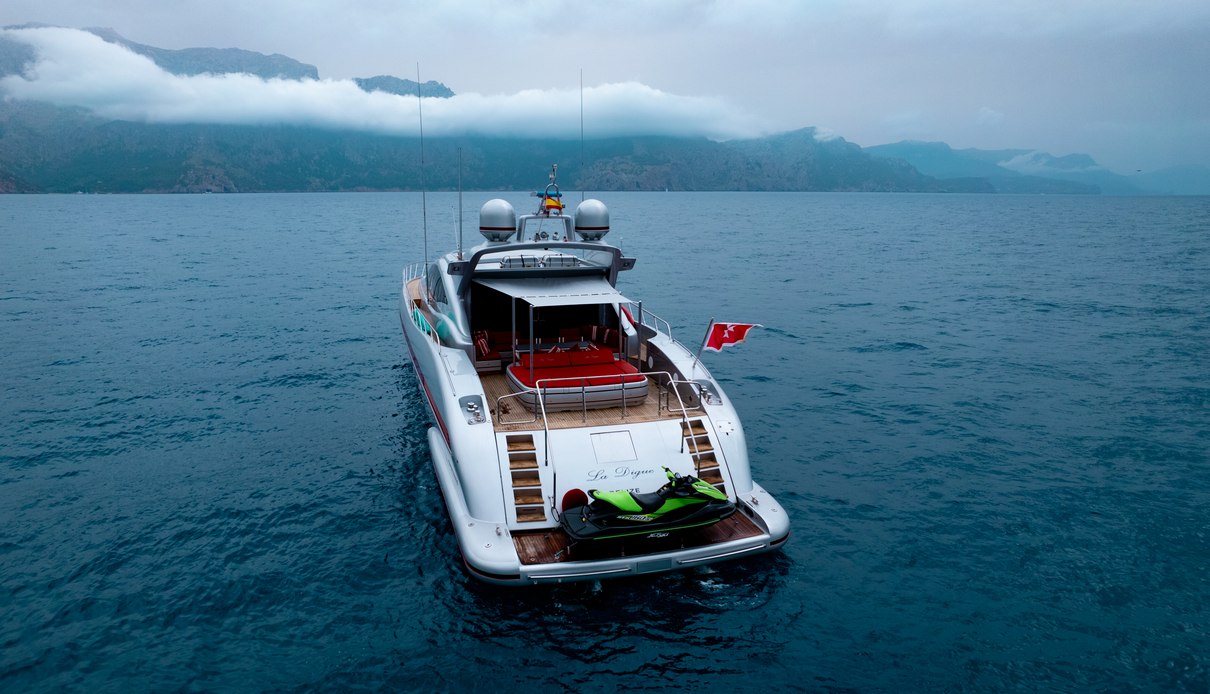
(547, 387)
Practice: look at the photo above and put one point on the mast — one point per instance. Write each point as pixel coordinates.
(424, 209)
(459, 203)
(581, 134)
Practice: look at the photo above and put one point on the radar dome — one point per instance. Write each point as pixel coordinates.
(592, 220)
(497, 220)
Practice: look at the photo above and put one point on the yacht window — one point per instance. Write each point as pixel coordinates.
(544, 229)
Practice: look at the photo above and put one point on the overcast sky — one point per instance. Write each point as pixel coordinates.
(1122, 80)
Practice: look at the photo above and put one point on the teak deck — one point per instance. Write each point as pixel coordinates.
(496, 386)
(552, 545)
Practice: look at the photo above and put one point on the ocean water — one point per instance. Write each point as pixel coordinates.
(988, 417)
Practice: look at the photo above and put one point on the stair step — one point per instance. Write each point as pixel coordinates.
(713, 476)
(694, 426)
(531, 515)
(521, 442)
(527, 478)
(699, 444)
(521, 461)
(527, 497)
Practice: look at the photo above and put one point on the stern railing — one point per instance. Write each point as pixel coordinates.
(540, 393)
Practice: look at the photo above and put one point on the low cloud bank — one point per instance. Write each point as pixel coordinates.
(77, 68)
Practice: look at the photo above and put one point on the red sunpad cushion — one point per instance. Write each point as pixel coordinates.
(544, 360)
(613, 374)
(591, 356)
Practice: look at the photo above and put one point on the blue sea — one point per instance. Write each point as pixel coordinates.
(988, 417)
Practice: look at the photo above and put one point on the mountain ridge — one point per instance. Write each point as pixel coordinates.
(1027, 170)
(44, 148)
(200, 61)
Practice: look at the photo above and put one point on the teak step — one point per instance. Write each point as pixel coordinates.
(715, 479)
(698, 444)
(531, 496)
(697, 441)
(531, 514)
(527, 478)
(521, 442)
(522, 460)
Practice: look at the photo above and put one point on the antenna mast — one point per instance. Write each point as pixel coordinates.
(582, 176)
(459, 203)
(424, 208)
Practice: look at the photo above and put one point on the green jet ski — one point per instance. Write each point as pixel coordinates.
(684, 502)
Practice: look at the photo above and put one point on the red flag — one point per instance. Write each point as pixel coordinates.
(727, 334)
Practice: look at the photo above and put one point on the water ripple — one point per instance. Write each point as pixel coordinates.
(985, 416)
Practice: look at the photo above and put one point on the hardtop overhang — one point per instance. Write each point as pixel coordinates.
(490, 261)
(563, 291)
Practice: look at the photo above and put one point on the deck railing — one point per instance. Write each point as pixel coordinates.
(700, 394)
(412, 271)
(652, 321)
(416, 314)
(539, 394)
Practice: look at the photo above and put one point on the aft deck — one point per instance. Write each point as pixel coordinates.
(552, 545)
(518, 418)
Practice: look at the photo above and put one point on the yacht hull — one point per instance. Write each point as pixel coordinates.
(503, 452)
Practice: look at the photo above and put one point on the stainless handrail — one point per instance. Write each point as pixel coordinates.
(517, 395)
(413, 270)
(421, 322)
(688, 434)
(541, 386)
(657, 321)
(692, 384)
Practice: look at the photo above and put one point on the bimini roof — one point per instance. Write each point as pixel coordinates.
(562, 291)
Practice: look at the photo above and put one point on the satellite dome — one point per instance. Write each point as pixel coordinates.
(592, 220)
(497, 220)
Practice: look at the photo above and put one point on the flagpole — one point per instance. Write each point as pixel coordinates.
(697, 357)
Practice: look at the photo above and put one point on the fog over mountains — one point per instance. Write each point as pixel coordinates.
(89, 111)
